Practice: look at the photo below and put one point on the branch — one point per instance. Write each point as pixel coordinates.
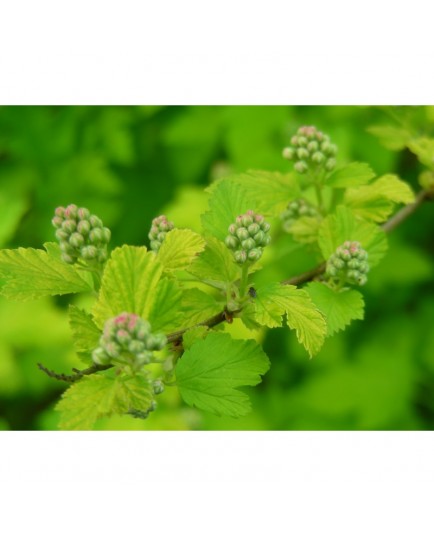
(224, 316)
(406, 211)
(78, 374)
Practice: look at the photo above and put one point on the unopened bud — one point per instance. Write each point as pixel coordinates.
(288, 153)
(253, 229)
(255, 254)
(70, 211)
(100, 357)
(95, 221)
(89, 252)
(231, 242)
(83, 213)
(240, 256)
(301, 166)
(242, 233)
(83, 227)
(318, 157)
(248, 244)
(96, 236)
(330, 164)
(302, 153)
(69, 259)
(60, 212)
(69, 226)
(76, 240)
(57, 221)
(158, 387)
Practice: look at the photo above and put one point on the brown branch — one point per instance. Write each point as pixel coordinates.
(223, 316)
(78, 374)
(306, 276)
(406, 211)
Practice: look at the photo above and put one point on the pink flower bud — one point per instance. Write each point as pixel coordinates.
(60, 212)
(57, 221)
(83, 213)
(71, 211)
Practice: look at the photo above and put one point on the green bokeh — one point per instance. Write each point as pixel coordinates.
(130, 164)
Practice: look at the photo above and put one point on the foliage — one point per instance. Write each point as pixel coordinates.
(191, 285)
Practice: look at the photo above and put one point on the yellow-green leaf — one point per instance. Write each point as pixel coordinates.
(128, 284)
(179, 249)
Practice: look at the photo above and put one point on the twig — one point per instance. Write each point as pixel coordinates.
(406, 211)
(223, 316)
(71, 378)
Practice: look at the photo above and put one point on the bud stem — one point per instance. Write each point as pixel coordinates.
(244, 280)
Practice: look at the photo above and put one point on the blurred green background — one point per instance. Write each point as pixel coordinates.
(130, 164)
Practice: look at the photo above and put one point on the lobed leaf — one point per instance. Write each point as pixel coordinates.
(128, 284)
(354, 174)
(423, 148)
(102, 395)
(179, 249)
(342, 226)
(269, 190)
(216, 263)
(192, 335)
(228, 199)
(86, 333)
(376, 201)
(338, 307)
(273, 301)
(198, 306)
(211, 370)
(32, 273)
(393, 138)
(165, 313)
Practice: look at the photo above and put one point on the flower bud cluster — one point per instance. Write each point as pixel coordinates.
(310, 149)
(127, 338)
(248, 236)
(160, 227)
(349, 263)
(295, 210)
(80, 234)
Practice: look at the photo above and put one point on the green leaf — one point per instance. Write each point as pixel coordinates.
(353, 174)
(423, 148)
(393, 188)
(216, 263)
(305, 229)
(393, 138)
(85, 332)
(339, 308)
(179, 248)
(102, 395)
(165, 314)
(342, 226)
(192, 335)
(32, 273)
(269, 190)
(209, 373)
(273, 301)
(228, 200)
(376, 201)
(128, 284)
(198, 306)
